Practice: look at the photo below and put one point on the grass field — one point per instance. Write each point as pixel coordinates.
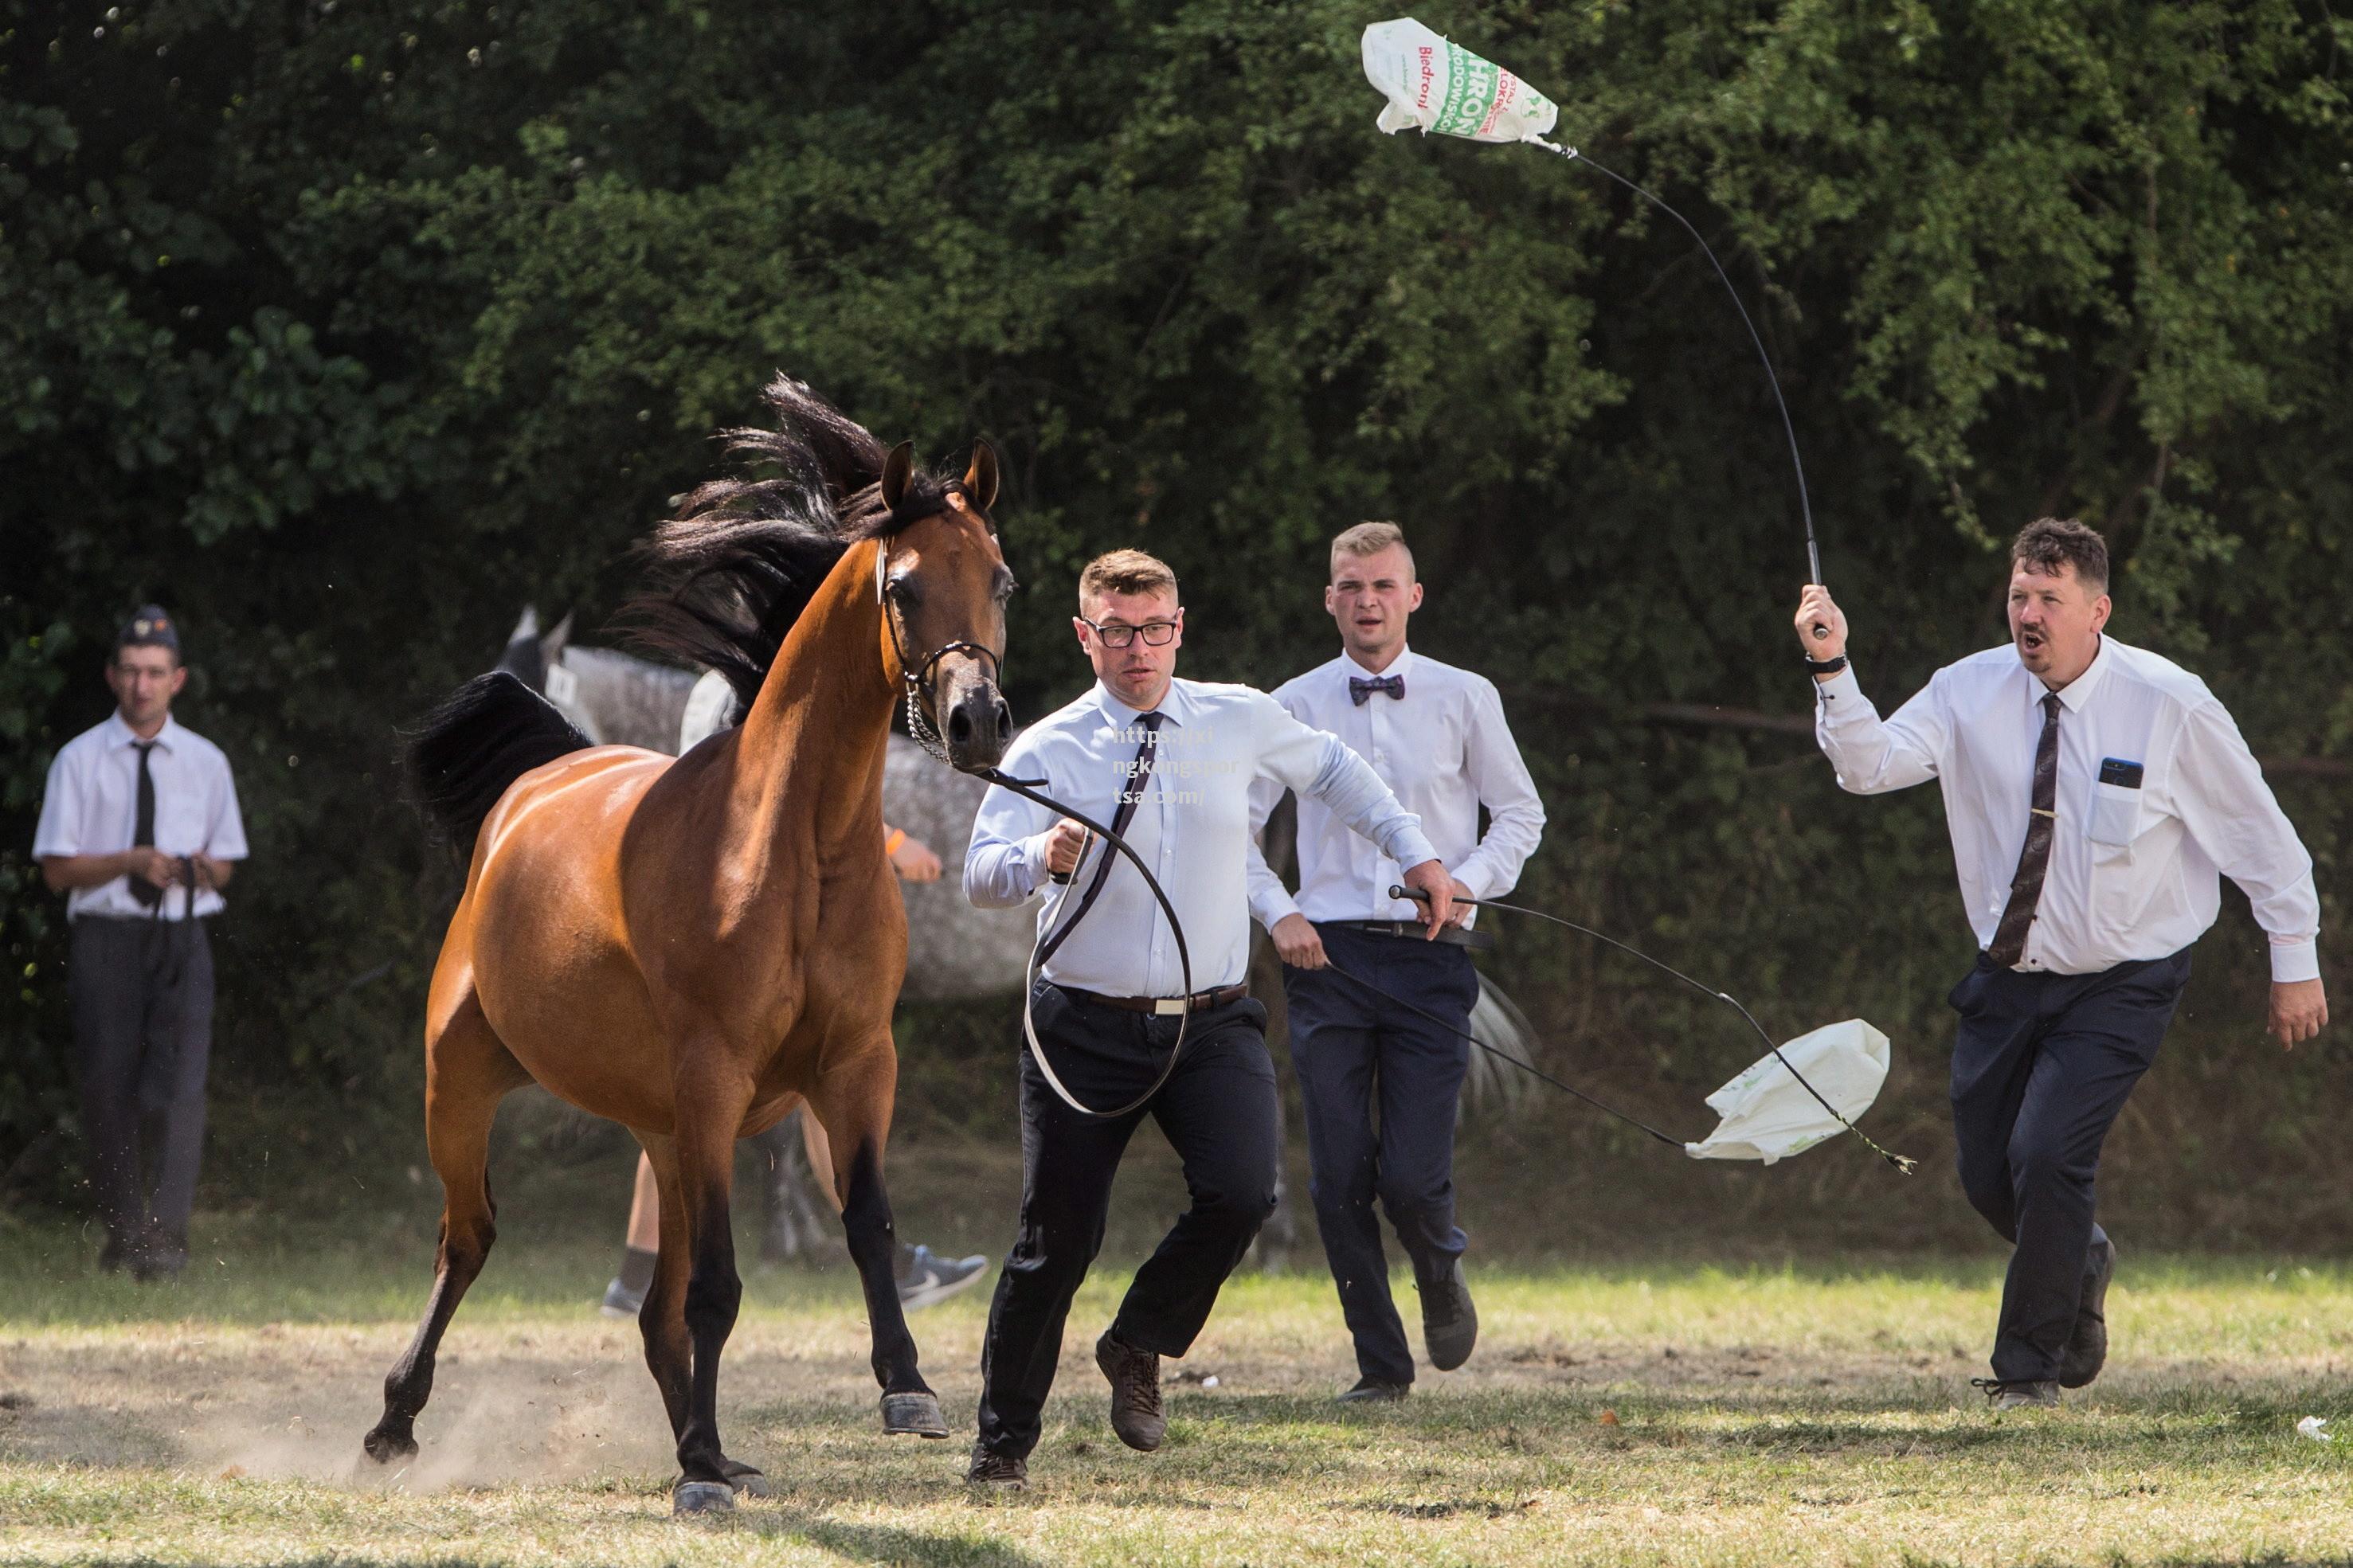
(1628, 1414)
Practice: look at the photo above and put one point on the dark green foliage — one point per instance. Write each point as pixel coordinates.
(346, 329)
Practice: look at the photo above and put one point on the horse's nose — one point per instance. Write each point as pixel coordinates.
(979, 727)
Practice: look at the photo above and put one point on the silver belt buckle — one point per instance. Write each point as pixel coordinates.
(1167, 1006)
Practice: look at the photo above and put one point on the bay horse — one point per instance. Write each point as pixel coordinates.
(693, 947)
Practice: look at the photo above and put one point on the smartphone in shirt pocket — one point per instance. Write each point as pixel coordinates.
(2116, 803)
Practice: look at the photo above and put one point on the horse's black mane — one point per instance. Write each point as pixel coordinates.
(738, 564)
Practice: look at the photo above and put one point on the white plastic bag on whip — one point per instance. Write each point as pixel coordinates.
(1767, 1114)
(1443, 87)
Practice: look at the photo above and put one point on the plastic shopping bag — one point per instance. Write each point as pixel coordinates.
(1445, 88)
(1767, 1114)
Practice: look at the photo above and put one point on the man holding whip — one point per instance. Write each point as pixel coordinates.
(1169, 764)
(2092, 791)
(1435, 735)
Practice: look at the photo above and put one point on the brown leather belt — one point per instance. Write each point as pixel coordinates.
(1453, 936)
(1171, 1005)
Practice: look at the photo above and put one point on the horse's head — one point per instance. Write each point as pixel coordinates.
(943, 583)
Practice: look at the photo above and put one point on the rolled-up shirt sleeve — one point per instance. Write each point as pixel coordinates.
(1516, 814)
(1871, 755)
(2221, 797)
(1005, 861)
(1319, 763)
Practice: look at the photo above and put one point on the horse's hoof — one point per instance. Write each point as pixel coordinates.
(384, 1447)
(912, 1415)
(749, 1482)
(701, 1498)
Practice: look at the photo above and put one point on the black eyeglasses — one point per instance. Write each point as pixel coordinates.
(1157, 634)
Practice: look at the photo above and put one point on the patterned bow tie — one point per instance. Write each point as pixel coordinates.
(1361, 691)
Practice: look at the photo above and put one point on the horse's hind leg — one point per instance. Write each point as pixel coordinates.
(853, 1104)
(467, 1072)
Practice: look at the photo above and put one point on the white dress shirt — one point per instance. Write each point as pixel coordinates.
(92, 807)
(1444, 751)
(2133, 870)
(1192, 827)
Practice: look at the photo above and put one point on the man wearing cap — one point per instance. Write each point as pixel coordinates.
(1436, 736)
(140, 827)
(2096, 794)
(1168, 765)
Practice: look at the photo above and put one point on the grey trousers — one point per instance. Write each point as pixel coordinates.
(142, 1011)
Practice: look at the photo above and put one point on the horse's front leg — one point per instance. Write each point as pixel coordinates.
(709, 1100)
(852, 1103)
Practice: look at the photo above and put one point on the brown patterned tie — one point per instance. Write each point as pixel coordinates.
(2026, 887)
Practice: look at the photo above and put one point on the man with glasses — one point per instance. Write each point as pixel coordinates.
(140, 824)
(1168, 765)
(1435, 735)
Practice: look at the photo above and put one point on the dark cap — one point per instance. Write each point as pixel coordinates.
(150, 627)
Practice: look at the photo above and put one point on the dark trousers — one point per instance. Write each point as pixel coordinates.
(2041, 1067)
(1216, 1110)
(1354, 1053)
(142, 1011)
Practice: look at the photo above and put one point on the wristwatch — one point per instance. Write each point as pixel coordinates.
(1824, 666)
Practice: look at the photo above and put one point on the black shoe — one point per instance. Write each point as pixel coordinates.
(621, 1302)
(1376, 1391)
(1134, 1377)
(1450, 1324)
(2037, 1394)
(1001, 1472)
(930, 1278)
(2087, 1347)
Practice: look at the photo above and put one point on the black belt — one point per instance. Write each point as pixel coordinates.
(1172, 1006)
(1453, 936)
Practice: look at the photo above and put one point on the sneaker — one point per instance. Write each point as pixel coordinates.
(1000, 1472)
(2036, 1394)
(929, 1279)
(2087, 1347)
(621, 1302)
(1376, 1391)
(1450, 1324)
(1135, 1376)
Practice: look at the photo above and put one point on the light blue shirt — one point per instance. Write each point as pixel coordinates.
(1192, 827)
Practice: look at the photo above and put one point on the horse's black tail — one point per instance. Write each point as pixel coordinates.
(484, 736)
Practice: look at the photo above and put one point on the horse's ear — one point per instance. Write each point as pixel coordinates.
(980, 480)
(897, 468)
(552, 646)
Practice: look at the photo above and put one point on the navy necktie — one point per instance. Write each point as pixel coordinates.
(143, 830)
(1361, 691)
(2034, 858)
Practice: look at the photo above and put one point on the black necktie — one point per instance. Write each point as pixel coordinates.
(1361, 691)
(2026, 887)
(1129, 799)
(143, 830)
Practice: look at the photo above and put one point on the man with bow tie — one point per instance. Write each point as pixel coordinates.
(140, 824)
(1436, 736)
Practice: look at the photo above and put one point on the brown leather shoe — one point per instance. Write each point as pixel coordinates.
(1134, 1377)
(1000, 1472)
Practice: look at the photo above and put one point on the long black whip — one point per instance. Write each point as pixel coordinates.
(1526, 1067)
(1028, 789)
(1900, 1161)
(1772, 379)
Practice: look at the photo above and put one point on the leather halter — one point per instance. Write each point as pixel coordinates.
(913, 676)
